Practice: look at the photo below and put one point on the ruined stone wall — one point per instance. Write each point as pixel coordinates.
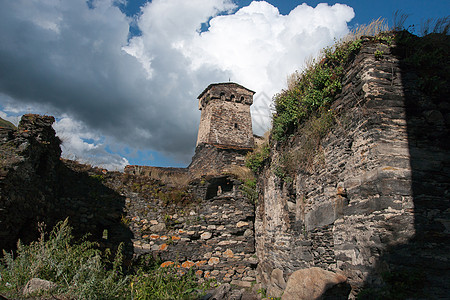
(36, 186)
(214, 160)
(212, 231)
(207, 224)
(170, 176)
(377, 201)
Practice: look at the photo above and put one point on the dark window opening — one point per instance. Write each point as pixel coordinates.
(217, 186)
(236, 125)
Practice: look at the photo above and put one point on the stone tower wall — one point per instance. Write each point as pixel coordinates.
(226, 118)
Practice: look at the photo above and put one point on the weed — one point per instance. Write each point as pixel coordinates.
(250, 191)
(80, 270)
(97, 177)
(315, 90)
(167, 283)
(255, 160)
(124, 220)
(378, 54)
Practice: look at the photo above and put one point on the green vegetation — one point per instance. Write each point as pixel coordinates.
(250, 191)
(98, 177)
(307, 155)
(255, 160)
(167, 283)
(82, 271)
(311, 91)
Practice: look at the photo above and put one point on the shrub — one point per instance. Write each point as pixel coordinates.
(167, 283)
(250, 191)
(315, 89)
(255, 160)
(80, 270)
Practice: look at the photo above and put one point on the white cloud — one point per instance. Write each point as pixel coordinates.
(69, 59)
(80, 143)
(260, 47)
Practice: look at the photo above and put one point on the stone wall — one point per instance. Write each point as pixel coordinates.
(169, 176)
(213, 234)
(377, 200)
(206, 223)
(29, 157)
(225, 118)
(215, 160)
(36, 186)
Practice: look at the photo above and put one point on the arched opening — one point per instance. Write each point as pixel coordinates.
(232, 98)
(222, 96)
(236, 126)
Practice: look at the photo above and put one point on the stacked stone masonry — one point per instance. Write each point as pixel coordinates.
(225, 118)
(214, 234)
(379, 202)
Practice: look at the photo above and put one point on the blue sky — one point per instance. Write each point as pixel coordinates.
(122, 77)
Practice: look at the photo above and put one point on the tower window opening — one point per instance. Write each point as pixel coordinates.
(236, 125)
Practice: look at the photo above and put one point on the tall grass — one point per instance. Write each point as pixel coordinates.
(82, 271)
(79, 269)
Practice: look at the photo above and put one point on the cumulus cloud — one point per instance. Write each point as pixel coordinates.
(82, 144)
(75, 60)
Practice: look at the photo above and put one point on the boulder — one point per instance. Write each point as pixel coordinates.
(277, 283)
(311, 283)
(35, 285)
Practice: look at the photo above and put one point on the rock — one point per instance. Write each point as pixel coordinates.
(228, 253)
(213, 261)
(206, 235)
(221, 292)
(274, 291)
(310, 283)
(215, 272)
(241, 224)
(38, 285)
(158, 227)
(277, 278)
(248, 233)
(241, 283)
(188, 264)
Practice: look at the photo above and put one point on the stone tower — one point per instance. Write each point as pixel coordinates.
(225, 119)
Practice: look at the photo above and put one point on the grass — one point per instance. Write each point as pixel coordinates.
(82, 271)
(312, 90)
(303, 109)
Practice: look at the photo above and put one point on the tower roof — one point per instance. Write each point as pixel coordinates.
(224, 84)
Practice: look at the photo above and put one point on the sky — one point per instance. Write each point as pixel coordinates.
(122, 77)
